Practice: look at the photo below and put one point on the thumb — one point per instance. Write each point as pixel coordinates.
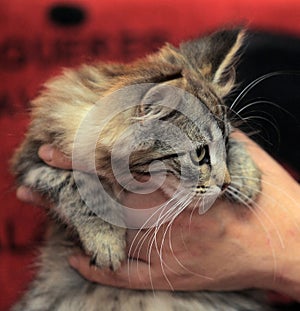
(53, 157)
(132, 274)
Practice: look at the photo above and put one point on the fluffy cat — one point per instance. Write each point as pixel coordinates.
(155, 91)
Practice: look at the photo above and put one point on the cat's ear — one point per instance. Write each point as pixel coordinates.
(215, 56)
(159, 101)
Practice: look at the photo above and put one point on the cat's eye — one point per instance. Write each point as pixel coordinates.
(199, 155)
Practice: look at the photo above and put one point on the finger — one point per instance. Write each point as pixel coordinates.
(26, 195)
(132, 274)
(54, 157)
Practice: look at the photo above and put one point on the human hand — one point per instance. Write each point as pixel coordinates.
(229, 247)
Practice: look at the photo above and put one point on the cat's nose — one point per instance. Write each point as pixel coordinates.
(224, 186)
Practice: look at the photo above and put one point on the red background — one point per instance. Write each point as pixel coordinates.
(32, 48)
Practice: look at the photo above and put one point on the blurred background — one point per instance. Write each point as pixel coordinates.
(38, 38)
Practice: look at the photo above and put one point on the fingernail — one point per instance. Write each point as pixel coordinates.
(24, 194)
(46, 152)
(74, 261)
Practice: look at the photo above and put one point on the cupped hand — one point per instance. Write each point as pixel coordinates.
(230, 247)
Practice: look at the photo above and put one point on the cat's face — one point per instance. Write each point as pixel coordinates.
(173, 142)
(179, 131)
(179, 145)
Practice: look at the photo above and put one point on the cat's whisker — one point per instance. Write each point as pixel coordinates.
(272, 185)
(273, 124)
(163, 216)
(236, 114)
(169, 215)
(175, 214)
(254, 103)
(246, 90)
(185, 202)
(257, 129)
(264, 227)
(267, 102)
(146, 234)
(270, 198)
(255, 82)
(264, 213)
(140, 243)
(150, 230)
(161, 211)
(171, 247)
(149, 236)
(180, 263)
(254, 113)
(153, 242)
(144, 226)
(169, 227)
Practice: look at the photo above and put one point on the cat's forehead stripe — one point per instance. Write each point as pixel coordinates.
(207, 133)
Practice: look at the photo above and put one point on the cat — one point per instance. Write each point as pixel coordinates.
(139, 106)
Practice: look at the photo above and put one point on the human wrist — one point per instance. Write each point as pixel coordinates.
(269, 239)
(282, 268)
(287, 277)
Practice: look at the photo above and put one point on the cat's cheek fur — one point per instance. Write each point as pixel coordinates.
(245, 176)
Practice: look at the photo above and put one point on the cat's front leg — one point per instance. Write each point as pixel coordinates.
(85, 206)
(100, 222)
(245, 176)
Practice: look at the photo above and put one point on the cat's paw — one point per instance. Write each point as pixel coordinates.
(107, 252)
(245, 183)
(105, 244)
